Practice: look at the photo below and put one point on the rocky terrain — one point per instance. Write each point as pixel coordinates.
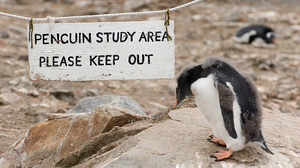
(201, 30)
(115, 137)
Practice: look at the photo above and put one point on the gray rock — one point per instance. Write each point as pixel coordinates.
(232, 16)
(65, 95)
(181, 142)
(97, 140)
(9, 98)
(131, 5)
(297, 75)
(17, 29)
(90, 103)
(296, 39)
(265, 16)
(4, 34)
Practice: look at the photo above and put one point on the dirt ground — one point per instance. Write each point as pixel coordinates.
(201, 30)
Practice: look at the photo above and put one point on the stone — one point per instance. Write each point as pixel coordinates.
(181, 142)
(131, 5)
(297, 75)
(65, 95)
(101, 144)
(232, 16)
(89, 103)
(9, 98)
(17, 29)
(266, 64)
(267, 16)
(296, 39)
(4, 35)
(292, 18)
(196, 17)
(80, 141)
(83, 4)
(54, 140)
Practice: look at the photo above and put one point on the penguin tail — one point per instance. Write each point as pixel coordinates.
(263, 144)
(265, 147)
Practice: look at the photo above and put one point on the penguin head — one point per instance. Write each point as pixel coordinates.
(192, 73)
(266, 33)
(270, 36)
(184, 81)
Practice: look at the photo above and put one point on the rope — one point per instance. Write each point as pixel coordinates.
(30, 32)
(97, 16)
(167, 23)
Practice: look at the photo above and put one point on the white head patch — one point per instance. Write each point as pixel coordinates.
(270, 34)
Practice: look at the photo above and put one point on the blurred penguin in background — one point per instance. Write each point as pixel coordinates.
(248, 34)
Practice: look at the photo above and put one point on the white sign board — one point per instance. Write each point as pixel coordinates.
(101, 51)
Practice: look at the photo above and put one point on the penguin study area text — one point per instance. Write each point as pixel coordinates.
(86, 51)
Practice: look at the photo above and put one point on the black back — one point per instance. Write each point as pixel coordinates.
(245, 92)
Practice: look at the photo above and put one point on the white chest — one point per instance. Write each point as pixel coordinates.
(245, 37)
(207, 98)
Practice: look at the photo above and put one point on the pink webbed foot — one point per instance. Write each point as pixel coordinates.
(216, 140)
(222, 154)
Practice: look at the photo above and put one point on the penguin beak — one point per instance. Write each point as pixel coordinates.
(175, 104)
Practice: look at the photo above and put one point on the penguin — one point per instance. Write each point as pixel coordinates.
(250, 33)
(228, 100)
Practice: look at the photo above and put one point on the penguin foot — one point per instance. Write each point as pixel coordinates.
(222, 154)
(216, 140)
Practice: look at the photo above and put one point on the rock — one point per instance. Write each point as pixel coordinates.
(211, 17)
(266, 64)
(292, 18)
(286, 91)
(196, 17)
(9, 98)
(101, 144)
(23, 58)
(295, 28)
(41, 106)
(297, 75)
(181, 142)
(65, 95)
(3, 35)
(83, 4)
(296, 39)
(79, 141)
(268, 16)
(17, 29)
(232, 16)
(63, 136)
(89, 103)
(131, 5)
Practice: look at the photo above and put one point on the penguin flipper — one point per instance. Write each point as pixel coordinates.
(226, 98)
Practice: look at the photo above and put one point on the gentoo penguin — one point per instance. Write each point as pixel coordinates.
(228, 100)
(250, 33)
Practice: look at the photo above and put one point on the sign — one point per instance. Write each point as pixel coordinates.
(101, 51)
